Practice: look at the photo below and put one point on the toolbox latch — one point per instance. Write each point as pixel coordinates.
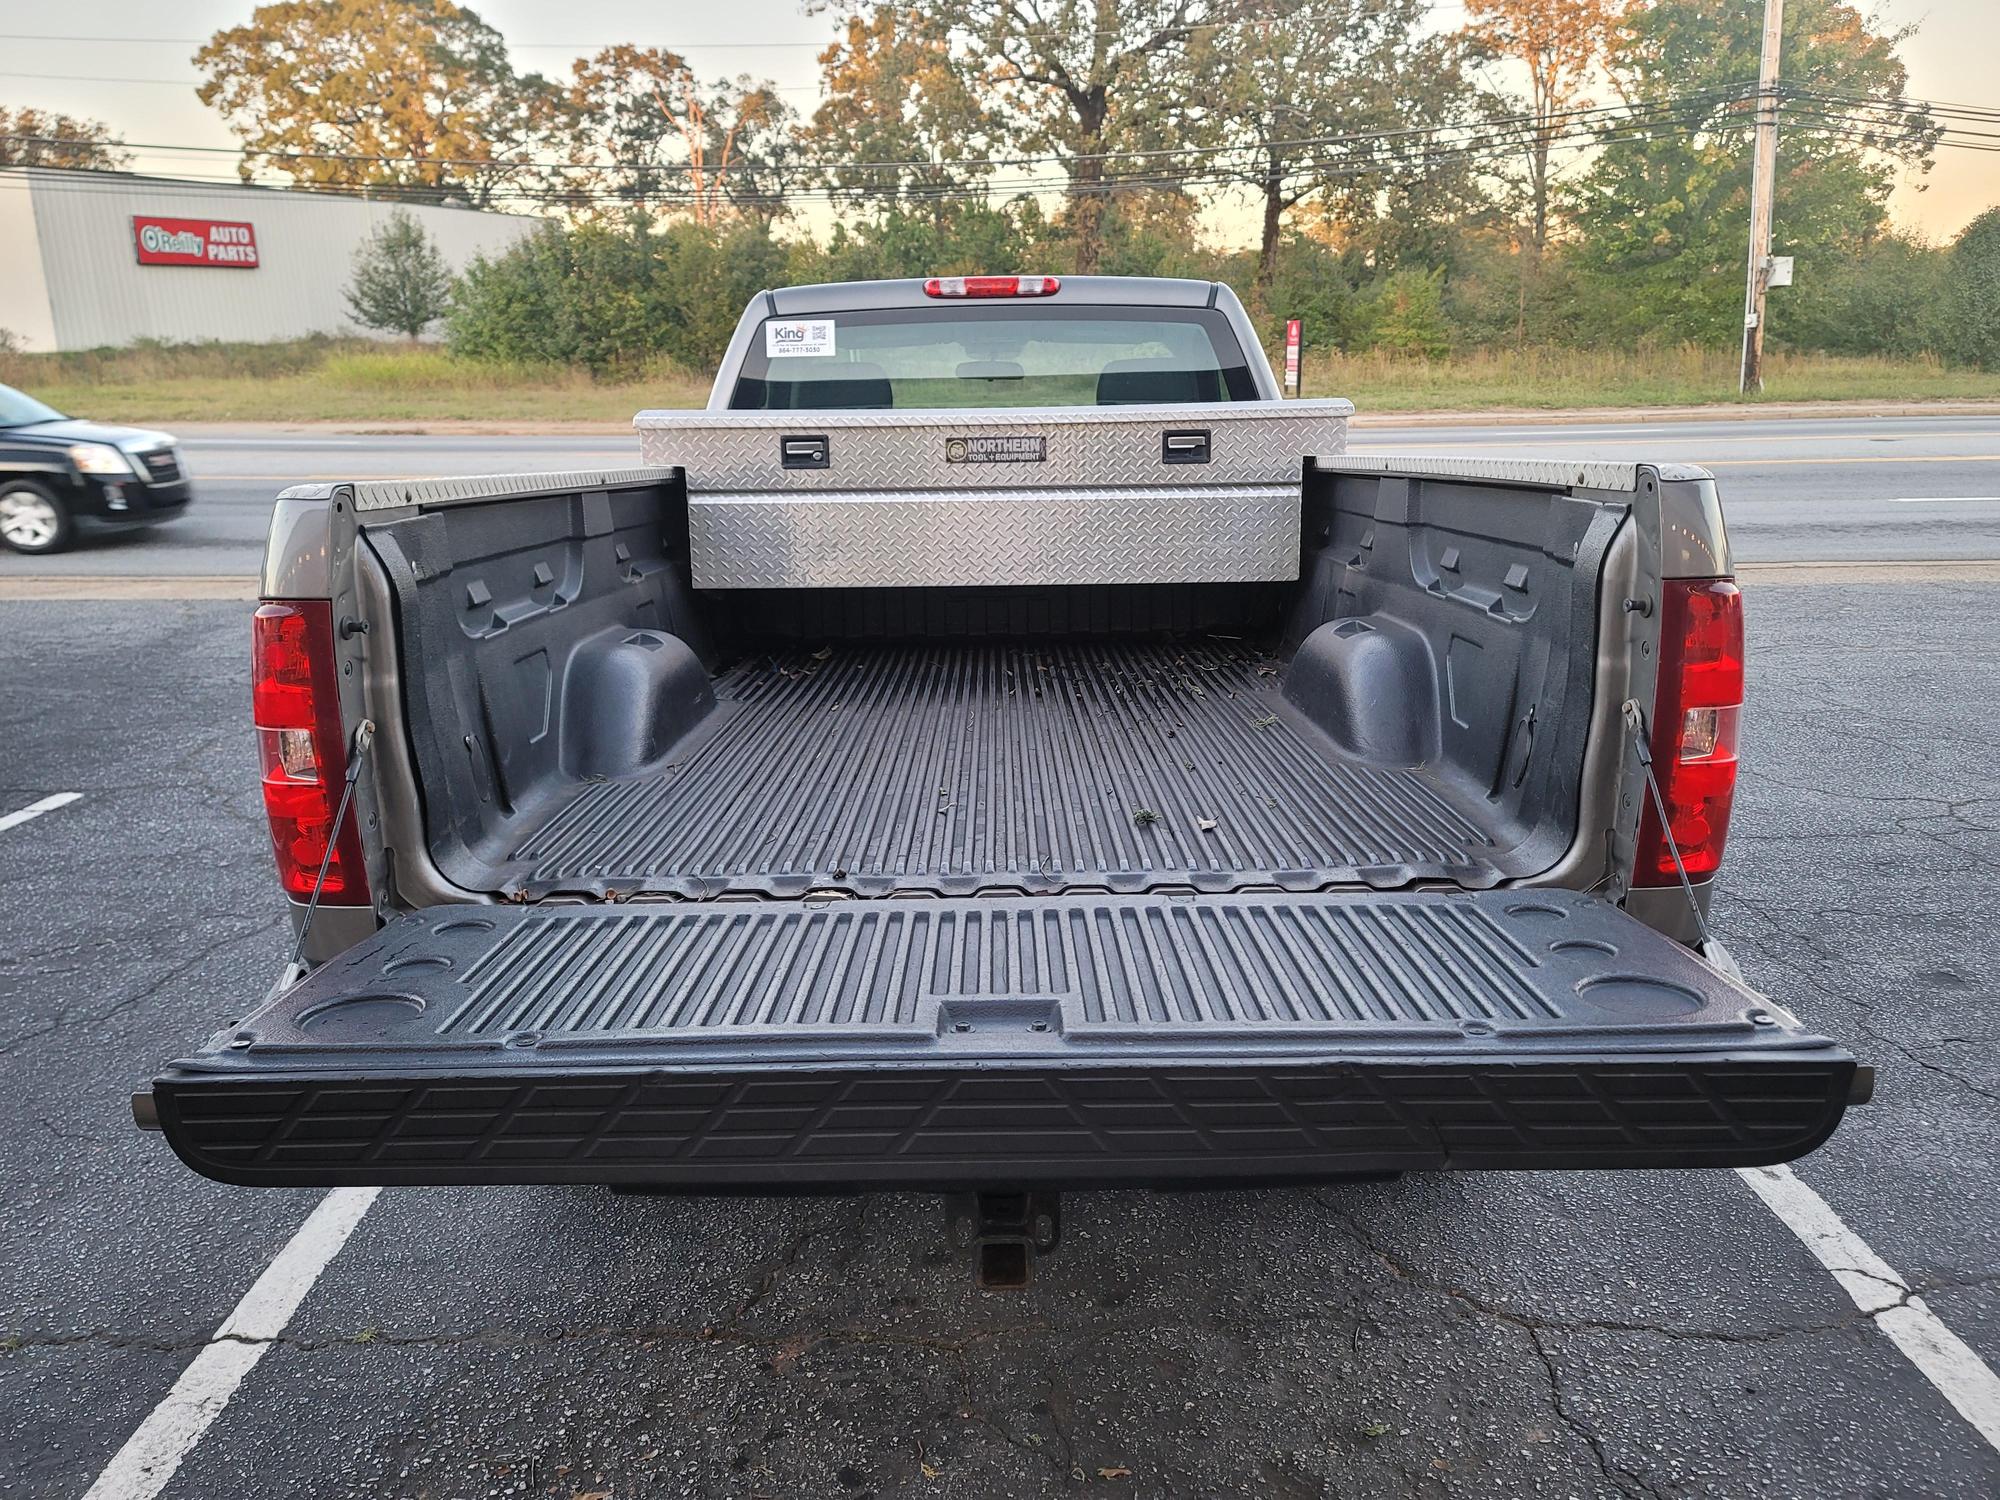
(805, 450)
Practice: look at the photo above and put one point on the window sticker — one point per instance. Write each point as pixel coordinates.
(800, 338)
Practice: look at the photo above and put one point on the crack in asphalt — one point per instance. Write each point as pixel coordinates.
(795, 1341)
(64, 1019)
(1623, 1479)
(1535, 1322)
(1866, 1008)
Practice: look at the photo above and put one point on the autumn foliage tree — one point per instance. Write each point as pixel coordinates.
(670, 142)
(1100, 84)
(411, 98)
(904, 120)
(44, 138)
(1316, 101)
(1560, 44)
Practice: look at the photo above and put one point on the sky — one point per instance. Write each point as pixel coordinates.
(126, 62)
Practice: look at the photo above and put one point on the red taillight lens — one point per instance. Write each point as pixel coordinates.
(1695, 714)
(296, 703)
(992, 286)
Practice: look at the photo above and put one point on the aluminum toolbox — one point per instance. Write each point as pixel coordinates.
(1060, 496)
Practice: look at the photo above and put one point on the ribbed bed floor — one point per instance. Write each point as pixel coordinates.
(953, 769)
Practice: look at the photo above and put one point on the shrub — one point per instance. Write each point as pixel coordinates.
(1974, 298)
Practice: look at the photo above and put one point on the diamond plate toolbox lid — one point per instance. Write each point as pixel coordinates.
(786, 452)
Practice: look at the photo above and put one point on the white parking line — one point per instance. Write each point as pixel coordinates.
(34, 810)
(1945, 500)
(150, 1457)
(1945, 1359)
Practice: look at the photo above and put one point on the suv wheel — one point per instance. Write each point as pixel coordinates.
(33, 520)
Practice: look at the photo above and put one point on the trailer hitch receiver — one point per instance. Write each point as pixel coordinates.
(1005, 1232)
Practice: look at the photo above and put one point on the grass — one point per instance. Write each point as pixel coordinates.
(332, 380)
(1548, 379)
(353, 380)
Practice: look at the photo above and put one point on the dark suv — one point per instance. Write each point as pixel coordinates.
(59, 475)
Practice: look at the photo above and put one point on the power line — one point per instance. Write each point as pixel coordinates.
(1325, 169)
(1382, 154)
(1525, 126)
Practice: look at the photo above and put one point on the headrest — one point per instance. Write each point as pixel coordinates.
(858, 387)
(1154, 382)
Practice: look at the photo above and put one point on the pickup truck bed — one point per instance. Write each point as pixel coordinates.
(946, 768)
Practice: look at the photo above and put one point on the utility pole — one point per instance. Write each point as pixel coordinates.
(1763, 184)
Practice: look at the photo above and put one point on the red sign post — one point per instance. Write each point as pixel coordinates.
(194, 242)
(1292, 355)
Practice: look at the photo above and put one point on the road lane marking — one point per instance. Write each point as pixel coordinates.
(1836, 463)
(83, 586)
(1614, 437)
(34, 810)
(1944, 1359)
(1838, 571)
(154, 1453)
(1945, 500)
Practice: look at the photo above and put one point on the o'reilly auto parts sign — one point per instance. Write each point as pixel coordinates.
(195, 242)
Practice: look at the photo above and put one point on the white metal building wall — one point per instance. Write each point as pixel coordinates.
(84, 272)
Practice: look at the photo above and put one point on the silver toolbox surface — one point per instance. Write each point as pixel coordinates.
(900, 505)
(1250, 442)
(913, 539)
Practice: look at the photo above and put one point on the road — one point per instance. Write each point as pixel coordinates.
(1558, 1334)
(1842, 488)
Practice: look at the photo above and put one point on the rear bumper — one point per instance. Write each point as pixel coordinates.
(847, 1128)
(114, 505)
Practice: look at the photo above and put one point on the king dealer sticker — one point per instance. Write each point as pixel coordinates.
(801, 338)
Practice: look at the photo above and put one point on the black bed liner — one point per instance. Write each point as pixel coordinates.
(1020, 1041)
(949, 768)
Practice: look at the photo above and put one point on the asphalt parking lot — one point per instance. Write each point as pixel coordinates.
(1477, 1335)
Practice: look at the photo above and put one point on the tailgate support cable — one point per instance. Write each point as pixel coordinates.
(364, 736)
(1635, 717)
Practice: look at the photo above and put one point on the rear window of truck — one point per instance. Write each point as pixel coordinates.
(999, 355)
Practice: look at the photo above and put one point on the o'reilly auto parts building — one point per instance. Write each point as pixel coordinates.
(89, 259)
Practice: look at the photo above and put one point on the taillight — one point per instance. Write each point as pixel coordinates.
(296, 704)
(1695, 713)
(992, 286)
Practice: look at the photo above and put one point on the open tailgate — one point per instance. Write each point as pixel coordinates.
(1084, 1040)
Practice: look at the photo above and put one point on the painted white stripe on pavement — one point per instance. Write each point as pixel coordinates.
(34, 810)
(1946, 1360)
(152, 1455)
(1945, 500)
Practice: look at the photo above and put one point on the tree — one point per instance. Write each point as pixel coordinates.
(401, 283)
(1293, 75)
(615, 297)
(705, 149)
(1105, 85)
(904, 120)
(1663, 214)
(1560, 43)
(410, 98)
(1975, 292)
(43, 138)
(1409, 315)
